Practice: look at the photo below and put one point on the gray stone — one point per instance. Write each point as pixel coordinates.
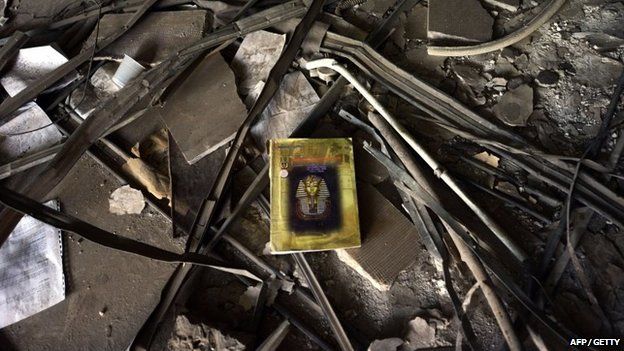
(126, 200)
(471, 76)
(515, 106)
(459, 21)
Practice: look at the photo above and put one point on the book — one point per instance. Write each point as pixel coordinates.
(313, 195)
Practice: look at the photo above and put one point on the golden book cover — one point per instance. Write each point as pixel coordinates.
(313, 195)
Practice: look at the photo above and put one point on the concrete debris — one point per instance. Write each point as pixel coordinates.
(515, 106)
(420, 334)
(249, 298)
(497, 83)
(391, 344)
(547, 78)
(596, 71)
(471, 76)
(204, 114)
(200, 337)
(126, 200)
(508, 5)
(389, 240)
(30, 65)
(154, 38)
(488, 158)
(600, 41)
(255, 57)
(290, 105)
(463, 21)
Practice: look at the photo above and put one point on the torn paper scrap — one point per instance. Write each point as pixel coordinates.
(30, 65)
(29, 132)
(32, 270)
(290, 105)
(126, 200)
(255, 58)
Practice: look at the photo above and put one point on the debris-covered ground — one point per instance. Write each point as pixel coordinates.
(487, 143)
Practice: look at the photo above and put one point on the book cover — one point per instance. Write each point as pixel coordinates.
(313, 195)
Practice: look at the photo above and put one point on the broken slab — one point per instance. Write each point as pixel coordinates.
(461, 21)
(126, 200)
(255, 58)
(290, 105)
(154, 38)
(389, 240)
(515, 106)
(204, 112)
(30, 65)
(187, 336)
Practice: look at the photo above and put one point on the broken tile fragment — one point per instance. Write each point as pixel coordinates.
(471, 76)
(187, 336)
(290, 105)
(515, 106)
(462, 21)
(203, 114)
(255, 58)
(420, 334)
(30, 65)
(157, 36)
(389, 240)
(390, 344)
(126, 200)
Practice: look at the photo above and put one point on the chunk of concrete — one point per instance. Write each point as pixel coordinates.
(420, 334)
(204, 111)
(389, 240)
(126, 200)
(294, 100)
(461, 21)
(154, 38)
(30, 65)
(255, 58)
(515, 106)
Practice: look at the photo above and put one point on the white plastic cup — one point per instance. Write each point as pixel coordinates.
(127, 71)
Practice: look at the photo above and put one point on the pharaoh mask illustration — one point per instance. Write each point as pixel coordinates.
(313, 198)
